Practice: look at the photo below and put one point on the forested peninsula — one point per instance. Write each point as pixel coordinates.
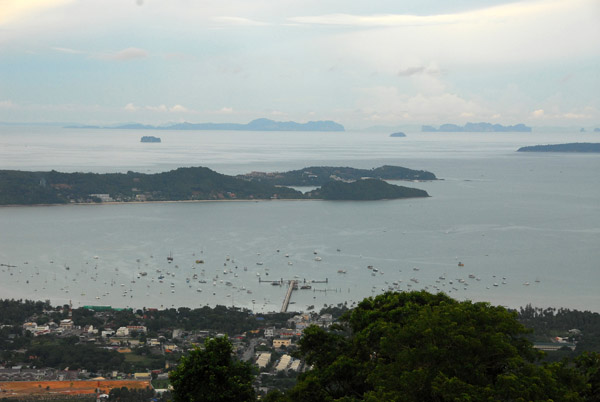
(183, 184)
(583, 147)
(319, 175)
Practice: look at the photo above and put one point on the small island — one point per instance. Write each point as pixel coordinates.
(476, 128)
(150, 138)
(398, 134)
(183, 184)
(575, 147)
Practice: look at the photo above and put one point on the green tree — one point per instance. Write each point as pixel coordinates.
(212, 374)
(588, 366)
(419, 346)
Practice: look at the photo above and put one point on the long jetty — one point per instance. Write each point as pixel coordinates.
(288, 295)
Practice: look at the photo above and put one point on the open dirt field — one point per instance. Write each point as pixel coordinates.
(15, 389)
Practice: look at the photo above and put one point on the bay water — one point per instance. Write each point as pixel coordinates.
(525, 227)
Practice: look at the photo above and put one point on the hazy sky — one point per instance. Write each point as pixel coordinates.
(360, 63)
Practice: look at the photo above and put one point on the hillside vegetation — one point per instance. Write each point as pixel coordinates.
(185, 184)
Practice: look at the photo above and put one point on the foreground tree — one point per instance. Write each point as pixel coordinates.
(422, 347)
(212, 374)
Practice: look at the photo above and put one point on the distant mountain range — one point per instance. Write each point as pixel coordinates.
(254, 125)
(476, 128)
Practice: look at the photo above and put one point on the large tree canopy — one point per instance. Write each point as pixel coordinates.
(212, 374)
(422, 347)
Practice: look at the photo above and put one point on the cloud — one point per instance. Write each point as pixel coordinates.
(407, 72)
(67, 50)
(416, 70)
(494, 14)
(17, 9)
(178, 109)
(130, 107)
(369, 21)
(159, 108)
(7, 104)
(240, 21)
(390, 105)
(537, 113)
(525, 32)
(541, 114)
(575, 116)
(131, 53)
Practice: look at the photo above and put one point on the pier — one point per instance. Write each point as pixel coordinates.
(288, 295)
(293, 285)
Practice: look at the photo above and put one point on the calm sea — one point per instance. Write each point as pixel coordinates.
(526, 227)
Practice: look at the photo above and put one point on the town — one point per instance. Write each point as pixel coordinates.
(106, 343)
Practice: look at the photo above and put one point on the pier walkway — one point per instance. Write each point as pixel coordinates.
(288, 295)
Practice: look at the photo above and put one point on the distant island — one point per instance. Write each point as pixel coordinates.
(254, 125)
(183, 184)
(319, 175)
(398, 134)
(150, 138)
(583, 147)
(476, 128)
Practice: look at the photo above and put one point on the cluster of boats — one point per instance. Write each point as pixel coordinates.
(198, 275)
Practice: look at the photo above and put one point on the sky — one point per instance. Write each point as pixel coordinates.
(359, 63)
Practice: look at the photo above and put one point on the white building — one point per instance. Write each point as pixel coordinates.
(284, 362)
(66, 324)
(263, 360)
(107, 333)
(122, 331)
